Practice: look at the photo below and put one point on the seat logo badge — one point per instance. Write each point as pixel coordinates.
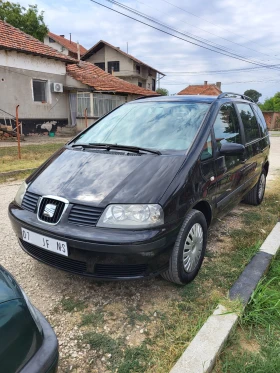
(49, 210)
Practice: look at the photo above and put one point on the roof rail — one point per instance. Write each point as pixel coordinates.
(141, 97)
(228, 94)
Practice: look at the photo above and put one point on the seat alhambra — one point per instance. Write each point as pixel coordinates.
(134, 194)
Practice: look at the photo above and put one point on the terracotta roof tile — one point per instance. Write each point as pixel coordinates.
(12, 38)
(205, 89)
(97, 45)
(70, 45)
(93, 76)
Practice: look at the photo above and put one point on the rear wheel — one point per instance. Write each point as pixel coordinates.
(189, 249)
(255, 196)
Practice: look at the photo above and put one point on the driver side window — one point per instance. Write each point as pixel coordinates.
(226, 126)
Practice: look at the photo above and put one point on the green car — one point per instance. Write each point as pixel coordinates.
(28, 343)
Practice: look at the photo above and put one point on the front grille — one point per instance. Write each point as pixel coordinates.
(117, 270)
(57, 213)
(30, 201)
(55, 260)
(85, 215)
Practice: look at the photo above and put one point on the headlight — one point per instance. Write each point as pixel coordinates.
(32, 311)
(131, 216)
(20, 193)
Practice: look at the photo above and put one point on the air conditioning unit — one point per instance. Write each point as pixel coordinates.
(57, 87)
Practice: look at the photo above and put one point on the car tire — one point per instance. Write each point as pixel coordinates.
(255, 196)
(189, 249)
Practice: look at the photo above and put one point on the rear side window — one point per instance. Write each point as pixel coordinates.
(226, 126)
(249, 120)
(261, 120)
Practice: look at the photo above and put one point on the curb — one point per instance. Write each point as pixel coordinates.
(12, 173)
(201, 354)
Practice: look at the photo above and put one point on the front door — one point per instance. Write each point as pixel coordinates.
(229, 169)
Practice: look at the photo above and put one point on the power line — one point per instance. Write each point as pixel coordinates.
(223, 52)
(237, 82)
(211, 33)
(214, 24)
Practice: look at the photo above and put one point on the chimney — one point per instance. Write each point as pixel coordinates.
(219, 85)
(118, 48)
(62, 36)
(205, 82)
(78, 51)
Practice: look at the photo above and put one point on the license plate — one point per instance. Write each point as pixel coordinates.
(47, 243)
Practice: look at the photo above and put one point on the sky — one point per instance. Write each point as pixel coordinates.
(250, 30)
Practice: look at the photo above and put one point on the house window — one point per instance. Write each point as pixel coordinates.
(138, 69)
(39, 90)
(97, 104)
(101, 65)
(153, 84)
(113, 65)
(84, 102)
(51, 40)
(140, 84)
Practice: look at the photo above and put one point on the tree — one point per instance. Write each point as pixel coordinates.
(162, 91)
(272, 103)
(27, 20)
(253, 94)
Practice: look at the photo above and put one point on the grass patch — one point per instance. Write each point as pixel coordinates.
(92, 319)
(261, 326)
(102, 342)
(19, 176)
(32, 156)
(136, 360)
(134, 316)
(72, 305)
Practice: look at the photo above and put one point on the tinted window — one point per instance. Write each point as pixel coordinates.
(261, 120)
(226, 126)
(158, 125)
(250, 123)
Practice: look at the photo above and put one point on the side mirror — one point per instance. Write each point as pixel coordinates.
(232, 148)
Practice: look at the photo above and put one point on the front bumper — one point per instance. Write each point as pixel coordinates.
(46, 358)
(99, 252)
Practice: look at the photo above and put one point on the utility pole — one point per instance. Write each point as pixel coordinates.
(127, 47)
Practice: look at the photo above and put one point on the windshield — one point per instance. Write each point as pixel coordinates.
(153, 125)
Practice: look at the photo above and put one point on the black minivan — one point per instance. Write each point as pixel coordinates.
(134, 194)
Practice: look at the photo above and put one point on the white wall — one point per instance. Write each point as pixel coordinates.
(29, 62)
(56, 46)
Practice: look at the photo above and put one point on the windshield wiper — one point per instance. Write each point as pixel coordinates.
(134, 149)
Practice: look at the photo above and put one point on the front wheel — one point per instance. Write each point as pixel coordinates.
(189, 249)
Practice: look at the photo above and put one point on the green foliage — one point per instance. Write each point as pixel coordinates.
(272, 103)
(28, 20)
(253, 94)
(162, 91)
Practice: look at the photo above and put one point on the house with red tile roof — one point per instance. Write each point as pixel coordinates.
(115, 61)
(203, 89)
(51, 88)
(63, 45)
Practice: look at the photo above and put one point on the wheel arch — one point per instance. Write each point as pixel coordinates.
(205, 208)
(266, 167)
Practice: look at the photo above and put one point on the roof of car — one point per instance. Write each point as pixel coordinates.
(190, 98)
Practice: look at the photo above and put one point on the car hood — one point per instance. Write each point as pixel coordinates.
(100, 178)
(9, 288)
